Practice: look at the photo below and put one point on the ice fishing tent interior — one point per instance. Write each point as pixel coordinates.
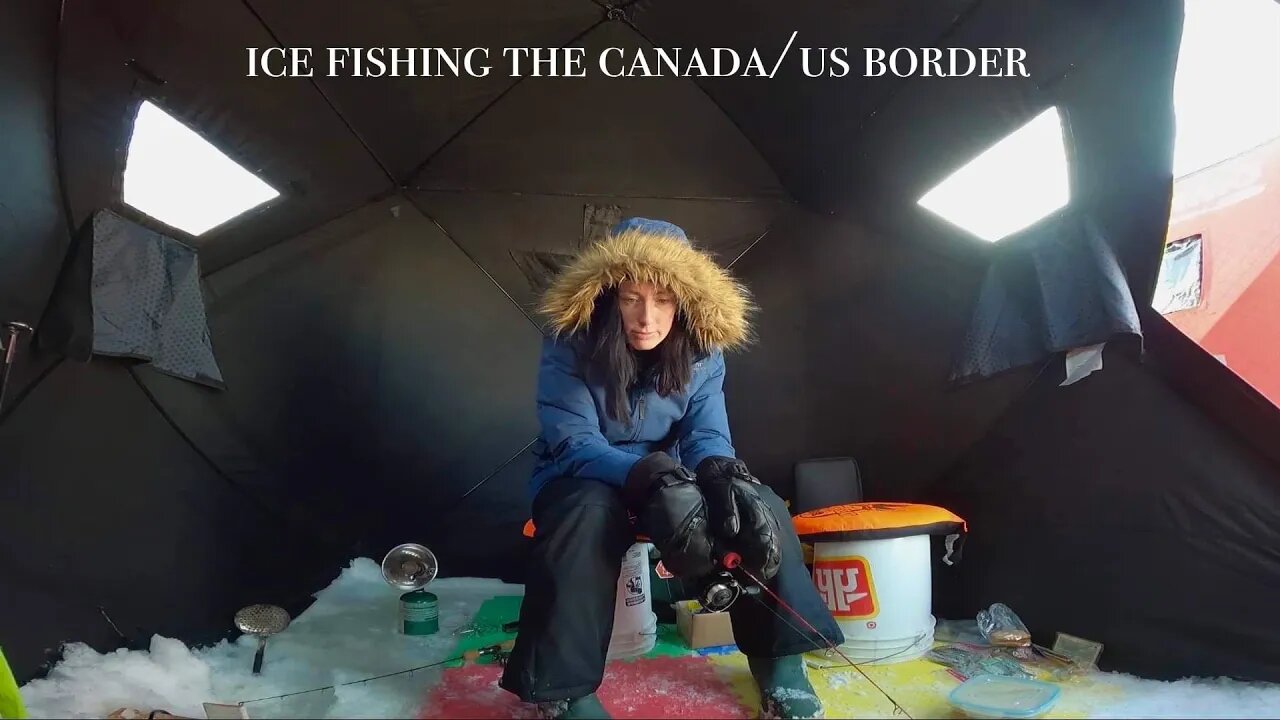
(282, 324)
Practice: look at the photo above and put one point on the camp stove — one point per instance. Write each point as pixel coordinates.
(410, 567)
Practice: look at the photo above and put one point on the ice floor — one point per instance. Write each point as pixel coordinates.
(350, 633)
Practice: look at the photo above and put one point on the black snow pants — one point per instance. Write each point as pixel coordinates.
(566, 619)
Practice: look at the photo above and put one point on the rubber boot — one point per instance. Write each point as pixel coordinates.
(785, 691)
(587, 706)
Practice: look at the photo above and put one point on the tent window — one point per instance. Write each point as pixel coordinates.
(179, 178)
(1219, 280)
(1011, 185)
(1181, 272)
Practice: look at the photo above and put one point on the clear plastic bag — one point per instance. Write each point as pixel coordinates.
(1002, 627)
(970, 661)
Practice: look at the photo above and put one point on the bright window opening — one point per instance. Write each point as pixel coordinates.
(177, 177)
(1010, 186)
(1226, 189)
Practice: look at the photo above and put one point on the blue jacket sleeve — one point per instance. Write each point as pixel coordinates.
(570, 423)
(704, 429)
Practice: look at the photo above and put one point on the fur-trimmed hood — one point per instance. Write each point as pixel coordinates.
(714, 305)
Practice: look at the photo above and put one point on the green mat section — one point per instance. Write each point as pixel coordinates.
(501, 609)
(487, 626)
(670, 644)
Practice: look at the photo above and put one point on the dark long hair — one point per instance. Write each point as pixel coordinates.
(612, 362)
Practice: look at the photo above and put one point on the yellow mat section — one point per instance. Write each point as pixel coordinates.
(919, 686)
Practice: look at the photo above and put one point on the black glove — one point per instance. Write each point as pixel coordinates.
(671, 511)
(739, 516)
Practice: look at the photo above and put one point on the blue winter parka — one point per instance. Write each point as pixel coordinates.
(579, 439)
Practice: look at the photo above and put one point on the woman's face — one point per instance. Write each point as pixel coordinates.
(647, 313)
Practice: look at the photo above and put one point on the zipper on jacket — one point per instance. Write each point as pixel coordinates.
(635, 435)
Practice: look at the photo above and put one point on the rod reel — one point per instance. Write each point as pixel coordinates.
(721, 590)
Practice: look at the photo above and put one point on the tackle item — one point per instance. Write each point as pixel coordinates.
(261, 621)
(721, 590)
(10, 350)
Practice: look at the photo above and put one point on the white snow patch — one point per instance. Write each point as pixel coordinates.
(792, 694)
(839, 680)
(349, 633)
(1188, 698)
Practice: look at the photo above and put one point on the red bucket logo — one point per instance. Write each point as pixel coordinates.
(845, 585)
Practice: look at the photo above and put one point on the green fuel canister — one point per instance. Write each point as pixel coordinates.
(419, 613)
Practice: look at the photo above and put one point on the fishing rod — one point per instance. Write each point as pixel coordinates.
(497, 650)
(733, 561)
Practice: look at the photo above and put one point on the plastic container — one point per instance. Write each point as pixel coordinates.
(993, 696)
(635, 625)
(880, 592)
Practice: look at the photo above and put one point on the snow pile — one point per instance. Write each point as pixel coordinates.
(348, 634)
(1189, 698)
(1116, 695)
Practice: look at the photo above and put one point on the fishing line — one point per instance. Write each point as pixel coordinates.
(830, 645)
(353, 682)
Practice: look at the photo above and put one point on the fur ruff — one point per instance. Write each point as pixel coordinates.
(714, 305)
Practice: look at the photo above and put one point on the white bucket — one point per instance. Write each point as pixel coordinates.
(881, 594)
(635, 625)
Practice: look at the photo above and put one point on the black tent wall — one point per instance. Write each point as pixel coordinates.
(33, 230)
(1090, 521)
(857, 333)
(374, 328)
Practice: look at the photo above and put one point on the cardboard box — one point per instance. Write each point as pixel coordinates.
(702, 630)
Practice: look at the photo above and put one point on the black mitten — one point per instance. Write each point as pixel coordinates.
(671, 511)
(739, 516)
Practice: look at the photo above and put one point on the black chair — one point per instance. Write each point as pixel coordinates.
(825, 482)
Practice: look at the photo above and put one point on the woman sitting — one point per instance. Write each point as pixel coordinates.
(633, 422)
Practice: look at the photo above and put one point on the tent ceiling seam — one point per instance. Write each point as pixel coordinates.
(422, 211)
(328, 100)
(732, 120)
(619, 6)
(22, 394)
(957, 22)
(422, 166)
(59, 169)
(458, 503)
(210, 270)
(786, 196)
(173, 424)
(57, 122)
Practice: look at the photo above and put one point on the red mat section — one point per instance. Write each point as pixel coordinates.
(649, 688)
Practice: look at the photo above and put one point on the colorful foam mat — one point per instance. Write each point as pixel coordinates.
(673, 681)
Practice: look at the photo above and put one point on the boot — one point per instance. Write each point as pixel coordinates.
(785, 691)
(587, 706)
